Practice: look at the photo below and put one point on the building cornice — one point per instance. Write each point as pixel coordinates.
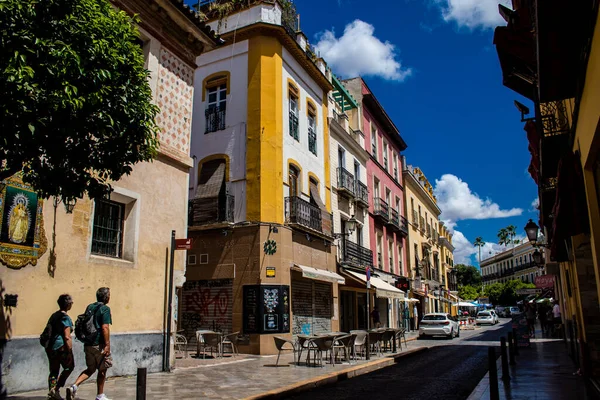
(419, 190)
(266, 29)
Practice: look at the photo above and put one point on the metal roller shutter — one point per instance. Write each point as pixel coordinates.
(311, 307)
(206, 305)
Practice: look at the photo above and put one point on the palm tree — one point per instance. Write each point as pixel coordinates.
(479, 243)
(511, 230)
(503, 236)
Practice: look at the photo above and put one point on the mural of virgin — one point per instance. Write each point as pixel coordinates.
(19, 219)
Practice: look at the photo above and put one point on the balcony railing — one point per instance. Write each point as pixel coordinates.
(403, 225)
(362, 194)
(398, 222)
(381, 209)
(211, 210)
(346, 182)
(422, 224)
(415, 218)
(525, 266)
(215, 119)
(428, 230)
(357, 255)
(303, 214)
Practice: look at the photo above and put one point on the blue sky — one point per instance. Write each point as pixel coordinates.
(446, 97)
(433, 66)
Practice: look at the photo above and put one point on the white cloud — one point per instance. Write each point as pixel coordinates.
(463, 249)
(358, 53)
(473, 14)
(535, 204)
(457, 202)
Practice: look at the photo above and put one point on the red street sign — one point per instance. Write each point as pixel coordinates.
(368, 271)
(544, 281)
(183, 244)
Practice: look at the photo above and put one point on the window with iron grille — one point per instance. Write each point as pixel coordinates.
(216, 108)
(385, 156)
(312, 134)
(374, 142)
(294, 118)
(107, 235)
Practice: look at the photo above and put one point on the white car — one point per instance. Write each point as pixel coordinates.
(439, 324)
(485, 317)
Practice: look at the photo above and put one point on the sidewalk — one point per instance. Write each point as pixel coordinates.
(242, 377)
(543, 371)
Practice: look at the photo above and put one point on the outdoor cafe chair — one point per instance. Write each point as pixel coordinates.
(386, 338)
(280, 343)
(181, 344)
(344, 343)
(360, 341)
(231, 340)
(303, 342)
(375, 341)
(400, 335)
(212, 340)
(322, 344)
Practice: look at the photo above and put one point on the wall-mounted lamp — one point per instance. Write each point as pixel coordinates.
(273, 229)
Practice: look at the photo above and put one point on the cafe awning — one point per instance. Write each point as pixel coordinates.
(382, 288)
(319, 274)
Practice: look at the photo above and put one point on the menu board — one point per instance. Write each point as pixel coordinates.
(266, 309)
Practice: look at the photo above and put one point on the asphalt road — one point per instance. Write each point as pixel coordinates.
(448, 369)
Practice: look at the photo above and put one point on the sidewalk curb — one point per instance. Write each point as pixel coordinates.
(336, 376)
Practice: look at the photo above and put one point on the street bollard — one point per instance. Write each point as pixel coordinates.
(511, 349)
(493, 374)
(368, 348)
(516, 345)
(394, 343)
(505, 374)
(141, 384)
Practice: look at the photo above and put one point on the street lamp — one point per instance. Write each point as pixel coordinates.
(537, 258)
(531, 229)
(350, 227)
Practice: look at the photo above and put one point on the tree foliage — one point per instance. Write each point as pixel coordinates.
(467, 275)
(468, 292)
(506, 293)
(75, 110)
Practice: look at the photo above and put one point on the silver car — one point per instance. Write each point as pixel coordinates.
(485, 317)
(439, 324)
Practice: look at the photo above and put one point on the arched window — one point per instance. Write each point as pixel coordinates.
(294, 180)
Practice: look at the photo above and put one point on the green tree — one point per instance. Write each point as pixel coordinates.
(76, 109)
(467, 275)
(509, 293)
(503, 237)
(511, 231)
(494, 292)
(468, 292)
(479, 243)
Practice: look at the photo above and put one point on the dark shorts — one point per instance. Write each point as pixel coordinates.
(94, 359)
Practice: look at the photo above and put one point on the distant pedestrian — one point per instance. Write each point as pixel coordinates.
(556, 318)
(97, 350)
(375, 317)
(530, 316)
(406, 318)
(416, 317)
(542, 316)
(59, 347)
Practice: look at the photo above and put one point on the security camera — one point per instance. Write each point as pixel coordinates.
(308, 237)
(522, 108)
(224, 232)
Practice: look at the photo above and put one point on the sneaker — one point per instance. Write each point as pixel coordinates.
(54, 395)
(71, 390)
(102, 397)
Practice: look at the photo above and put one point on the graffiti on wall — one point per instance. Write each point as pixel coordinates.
(206, 305)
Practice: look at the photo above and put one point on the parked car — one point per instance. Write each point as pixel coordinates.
(439, 324)
(501, 311)
(514, 311)
(485, 317)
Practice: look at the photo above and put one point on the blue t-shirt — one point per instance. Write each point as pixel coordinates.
(60, 321)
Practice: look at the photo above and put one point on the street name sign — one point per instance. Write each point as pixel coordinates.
(529, 291)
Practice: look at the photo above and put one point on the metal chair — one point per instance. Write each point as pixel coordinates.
(280, 343)
(386, 338)
(360, 341)
(401, 334)
(345, 343)
(231, 340)
(322, 344)
(375, 341)
(180, 344)
(212, 340)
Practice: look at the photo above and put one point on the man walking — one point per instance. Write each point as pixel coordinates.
(97, 351)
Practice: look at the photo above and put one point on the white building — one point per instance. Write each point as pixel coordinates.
(515, 263)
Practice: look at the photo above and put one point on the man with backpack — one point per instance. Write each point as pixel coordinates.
(56, 339)
(93, 329)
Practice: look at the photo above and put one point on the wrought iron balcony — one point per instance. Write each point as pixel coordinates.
(356, 255)
(422, 224)
(211, 210)
(304, 215)
(362, 194)
(525, 266)
(398, 222)
(428, 230)
(346, 183)
(381, 209)
(215, 119)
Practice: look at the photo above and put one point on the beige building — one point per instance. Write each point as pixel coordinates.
(119, 243)
(423, 251)
(450, 292)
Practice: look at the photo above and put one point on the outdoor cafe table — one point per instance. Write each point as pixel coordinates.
(308, 339)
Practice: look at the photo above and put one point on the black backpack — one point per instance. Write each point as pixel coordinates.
(47, 336)
(86, 329)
